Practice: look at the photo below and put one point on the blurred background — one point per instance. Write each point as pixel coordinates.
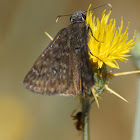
(29, 116)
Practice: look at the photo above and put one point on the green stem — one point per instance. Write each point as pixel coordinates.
(85, 110)
(136, 58)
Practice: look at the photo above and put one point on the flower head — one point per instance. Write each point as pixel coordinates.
(106, 44)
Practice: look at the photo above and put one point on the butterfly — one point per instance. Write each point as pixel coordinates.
(64, 67)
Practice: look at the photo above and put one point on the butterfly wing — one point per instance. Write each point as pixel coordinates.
(64, 67)
(52, 72)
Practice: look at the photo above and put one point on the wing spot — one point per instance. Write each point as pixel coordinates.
(35, 71)
(39, 89)
(35, 88)
(30, 86)
(67, 54)
(64, 71)
(45, 90)
(52, 89)
(64, 77)
(44, 70)
(64, 65)
(37, 82)
(51, 52)
(54, 72)
(60, 70)
(60, 76)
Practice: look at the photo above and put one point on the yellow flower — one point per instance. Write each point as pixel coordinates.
(106, 44)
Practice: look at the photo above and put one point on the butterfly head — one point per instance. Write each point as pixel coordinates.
(78, 16)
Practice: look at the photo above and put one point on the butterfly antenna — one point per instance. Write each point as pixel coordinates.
(106, 4)
(61, 16)
(94, 55)
(85, 11)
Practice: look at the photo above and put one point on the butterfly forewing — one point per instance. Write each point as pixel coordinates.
(64, 67)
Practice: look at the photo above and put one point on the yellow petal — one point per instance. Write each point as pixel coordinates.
(108, 44)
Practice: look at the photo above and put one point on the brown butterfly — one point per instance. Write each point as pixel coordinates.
(64, 67)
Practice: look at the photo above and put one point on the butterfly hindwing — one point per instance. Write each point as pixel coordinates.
(51, 72)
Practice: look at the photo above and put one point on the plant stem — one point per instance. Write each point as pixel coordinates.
(136, 134)
(85, 110)
(136, 58)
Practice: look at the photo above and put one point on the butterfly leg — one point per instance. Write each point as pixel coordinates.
(89, 28)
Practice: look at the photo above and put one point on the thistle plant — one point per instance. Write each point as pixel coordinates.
(106, 45)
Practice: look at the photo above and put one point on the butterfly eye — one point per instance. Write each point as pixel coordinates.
(71, 19)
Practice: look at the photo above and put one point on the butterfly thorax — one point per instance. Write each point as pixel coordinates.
(78, 36)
